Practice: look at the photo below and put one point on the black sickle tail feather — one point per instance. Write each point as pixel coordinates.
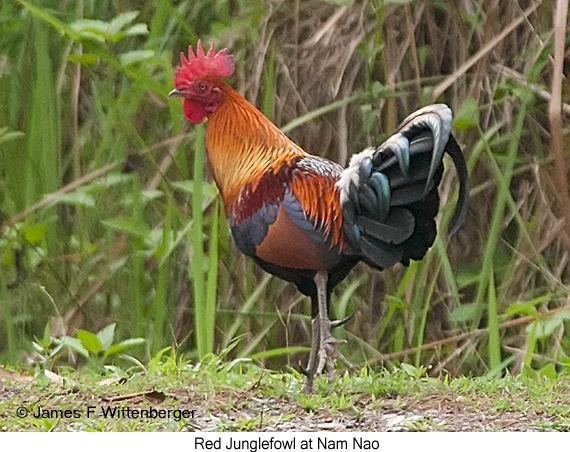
(460, 212)
(389, 195)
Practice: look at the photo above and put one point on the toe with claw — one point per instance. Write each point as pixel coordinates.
(324, 347)
(329, 352)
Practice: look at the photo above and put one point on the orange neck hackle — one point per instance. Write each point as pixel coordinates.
(242, 144)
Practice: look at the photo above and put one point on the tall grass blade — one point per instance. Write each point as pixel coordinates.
(269, 92)
(139, 318)
(422, 299)
(494, 338)
(160, 306)
(8, 323)
(495, 226)
(212, 278)
(198, 260)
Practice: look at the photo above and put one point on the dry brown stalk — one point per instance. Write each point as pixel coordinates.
(555, 111)
(487, 48)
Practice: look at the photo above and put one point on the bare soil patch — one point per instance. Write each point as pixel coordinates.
(258, 408)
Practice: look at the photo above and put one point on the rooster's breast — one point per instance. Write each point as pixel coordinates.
(268, 221)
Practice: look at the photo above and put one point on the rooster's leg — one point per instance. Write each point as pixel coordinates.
(316, 341)
(328, 350)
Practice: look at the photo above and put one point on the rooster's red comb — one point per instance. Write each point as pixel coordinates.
(215, 64)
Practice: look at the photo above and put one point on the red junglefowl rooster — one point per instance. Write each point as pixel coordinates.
(307, 219)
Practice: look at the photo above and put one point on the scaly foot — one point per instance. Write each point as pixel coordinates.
(328, 352)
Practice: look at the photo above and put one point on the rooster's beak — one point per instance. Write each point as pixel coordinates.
(175, 93)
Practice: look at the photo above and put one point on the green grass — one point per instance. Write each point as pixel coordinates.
(86, 242)
(239, 396)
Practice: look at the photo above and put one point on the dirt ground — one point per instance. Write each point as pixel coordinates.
(250, 410)
(396, 415)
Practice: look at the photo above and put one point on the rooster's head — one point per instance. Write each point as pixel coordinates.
(198, 81)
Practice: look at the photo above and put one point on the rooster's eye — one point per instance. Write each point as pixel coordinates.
(202, 86)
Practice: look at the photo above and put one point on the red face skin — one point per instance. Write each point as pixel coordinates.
(201, 98)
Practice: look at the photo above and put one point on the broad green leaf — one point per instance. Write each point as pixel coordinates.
(119, 22)
(110, 180)
(412, 371)
(85, 58)
(129, 225)
(517, 308)
(545, 327)
(124, 345)
(136, 30)
(468, 115)
(8, 258)
(91, 29)
(209, 190)
(463, 313)
(106, 336)
(529, 372)
(467, 275)
(118, 264)
(35, 232)
(378, 89)
(95, 26)
(528, 307)
(77, 198)
(7, 135)
(89, 341)
(549, 371)
(40, 349)
(135, 56)
(186, 186)
(564, 360)
(149, 195)
(563, 315)
(75, 344)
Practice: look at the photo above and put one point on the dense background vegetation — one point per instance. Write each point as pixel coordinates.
(108, 215)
